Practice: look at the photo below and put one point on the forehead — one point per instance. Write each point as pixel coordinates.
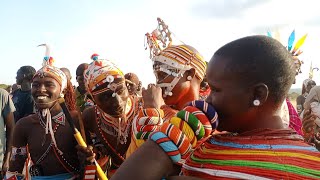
(45, 79)
(218, 70)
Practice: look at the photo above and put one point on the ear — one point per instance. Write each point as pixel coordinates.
(261, 93)
(191, 72)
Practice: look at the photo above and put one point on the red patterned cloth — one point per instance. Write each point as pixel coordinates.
(295, 121)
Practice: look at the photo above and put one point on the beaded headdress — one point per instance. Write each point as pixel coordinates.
(173, 60)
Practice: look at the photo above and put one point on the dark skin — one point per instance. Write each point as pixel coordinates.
(233, 100)
(80, 78)
(114, 106)
(23, 81)
(301, 99)
(22, 136)
(184, 91)
(308, 125)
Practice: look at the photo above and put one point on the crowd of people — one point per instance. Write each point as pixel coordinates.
(227, 118)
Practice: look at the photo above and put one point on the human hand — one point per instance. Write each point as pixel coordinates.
(86, 154)
(152, 97)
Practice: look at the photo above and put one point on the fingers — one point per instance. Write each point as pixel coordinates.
(86, 153)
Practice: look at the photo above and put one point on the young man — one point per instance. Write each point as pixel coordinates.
(23, 100)
(108, 123)
(82, 100)
(47, 134)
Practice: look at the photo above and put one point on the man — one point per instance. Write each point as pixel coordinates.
(23, 101)
(48, 135)
(6, 129)
(133, 84)
(67, 73)
(249, 85)
(108, 123)
(82, 100)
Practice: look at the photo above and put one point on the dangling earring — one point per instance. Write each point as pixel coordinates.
(189, 78)
(256, 102)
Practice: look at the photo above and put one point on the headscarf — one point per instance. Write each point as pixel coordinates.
(100, 72)
(49, 70)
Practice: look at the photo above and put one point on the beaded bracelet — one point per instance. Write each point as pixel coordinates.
(177, 137)
(193, 122)
(185, 128)
(208, 110)
(167, 145)
(202, 118)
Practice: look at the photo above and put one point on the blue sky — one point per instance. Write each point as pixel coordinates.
(115, 29)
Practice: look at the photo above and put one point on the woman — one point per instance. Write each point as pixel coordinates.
(46, 135)
(248, 85)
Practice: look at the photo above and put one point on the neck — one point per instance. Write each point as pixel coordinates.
(82, 90)
(265, 119)
(25, 86)
(191, 95)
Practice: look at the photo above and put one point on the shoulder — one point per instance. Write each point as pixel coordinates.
(3, 92)
(88, 117)
(27, 122)
(88, 112)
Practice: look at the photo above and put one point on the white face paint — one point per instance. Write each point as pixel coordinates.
(315, 108)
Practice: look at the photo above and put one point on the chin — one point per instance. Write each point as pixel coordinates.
(41, 106)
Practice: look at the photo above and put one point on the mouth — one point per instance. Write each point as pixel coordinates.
(41, 98)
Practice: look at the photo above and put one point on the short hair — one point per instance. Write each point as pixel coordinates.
(28, 71)
(81, 68)
(261, 59)
(66, 72)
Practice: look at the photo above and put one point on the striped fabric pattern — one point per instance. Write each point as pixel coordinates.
(260, 154)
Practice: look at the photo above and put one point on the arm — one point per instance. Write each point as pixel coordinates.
(148, 162)
(299, 104)
(19, 143)
(9, 123)
(8, 117)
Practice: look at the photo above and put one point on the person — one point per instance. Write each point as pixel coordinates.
(204, 88)
(82, 99)
(46, 135)
(311, 117)
(24, 102)
(108, 123)
(249, 84)
(13, 92)
(133, 83)
(306, 87)
(179, 70)
(70, 94)
(67, 73)
(6, 126)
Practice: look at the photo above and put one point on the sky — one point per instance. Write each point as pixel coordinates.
(115, 29)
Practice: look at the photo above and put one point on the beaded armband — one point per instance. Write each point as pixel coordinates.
(167, 145)
(13, 175)
(90, 172)
(21, 151)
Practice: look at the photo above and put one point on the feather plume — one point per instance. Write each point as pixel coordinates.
(299, 43)
(291, 40)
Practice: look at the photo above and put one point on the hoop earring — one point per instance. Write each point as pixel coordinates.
(189, 78)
